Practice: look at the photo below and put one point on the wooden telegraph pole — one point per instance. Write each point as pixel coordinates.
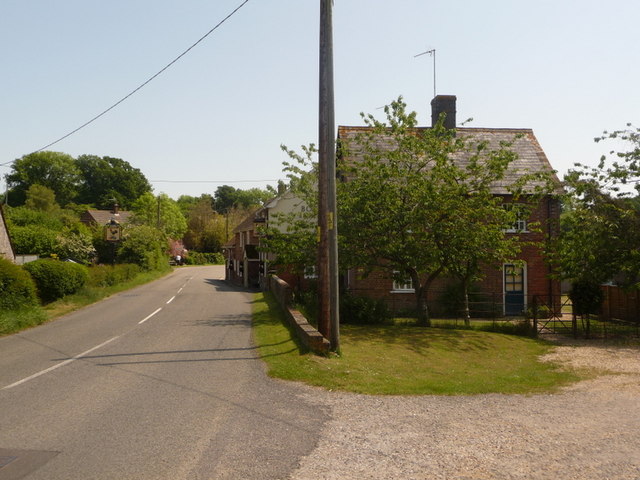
(328, 322)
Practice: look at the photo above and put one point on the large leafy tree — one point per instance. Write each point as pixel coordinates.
(162, 213)
(600, 238)
(227, 197)
(54, 170)
(105, 179)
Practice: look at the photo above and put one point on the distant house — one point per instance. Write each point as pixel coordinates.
(102, 217)
(246, 264)
(241, 252)
(6, 248)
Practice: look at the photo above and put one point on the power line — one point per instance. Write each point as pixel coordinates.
(145, 83)
(214, 181)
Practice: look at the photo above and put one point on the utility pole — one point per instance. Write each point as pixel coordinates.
(328, 321)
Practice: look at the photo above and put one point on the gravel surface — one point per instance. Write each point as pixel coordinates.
(589, 430)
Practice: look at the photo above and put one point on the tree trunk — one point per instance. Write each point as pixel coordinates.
(465, 298)
(424, 318)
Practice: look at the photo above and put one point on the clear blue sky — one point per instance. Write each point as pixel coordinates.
(568, 69)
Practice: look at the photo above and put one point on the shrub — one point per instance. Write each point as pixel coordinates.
(145, 247)
(17, 289)
(362, 310)
(200, 258)
(586, 297)
(55, 279)
(109, 275)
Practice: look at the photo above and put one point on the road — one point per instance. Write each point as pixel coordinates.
(160, 382)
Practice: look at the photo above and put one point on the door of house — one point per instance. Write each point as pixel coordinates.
(514, 289)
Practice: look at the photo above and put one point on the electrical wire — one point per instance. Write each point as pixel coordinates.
(214, 181)
(144, 84)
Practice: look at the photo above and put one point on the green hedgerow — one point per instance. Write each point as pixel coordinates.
(17, 289)
(55, 279)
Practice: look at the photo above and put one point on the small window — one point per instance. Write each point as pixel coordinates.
(520, 225)
(403, 285)
(310, 272)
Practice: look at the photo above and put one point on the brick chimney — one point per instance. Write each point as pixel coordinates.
(444, 104)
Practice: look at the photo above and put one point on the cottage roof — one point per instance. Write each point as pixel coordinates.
(247, 223)
(531, 157)
(102, 217)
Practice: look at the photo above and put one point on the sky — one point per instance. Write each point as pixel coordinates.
(568, 69)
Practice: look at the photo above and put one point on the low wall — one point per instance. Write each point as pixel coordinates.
(308, 335)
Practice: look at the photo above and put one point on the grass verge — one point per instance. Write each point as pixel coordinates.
(17, 320)
(407, 360)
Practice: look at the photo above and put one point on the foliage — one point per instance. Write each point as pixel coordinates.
(227, 197)
(206, 229)
(41, 198)
(586, 297)
(54, 170)
(199, 258)
(12, 321)
(17, 289)
(362, 310)
(600, 238)
(161, 212)
(34, 240)
(105, 179)
(55, 279)
(144, 246)
(75, 245)
(110, 275)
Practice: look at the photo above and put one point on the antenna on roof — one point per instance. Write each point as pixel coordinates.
(431, 52)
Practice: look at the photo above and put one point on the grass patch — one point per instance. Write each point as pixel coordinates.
(403, 359)
(16, 320)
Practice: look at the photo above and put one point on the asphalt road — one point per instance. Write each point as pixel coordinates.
(160, 382)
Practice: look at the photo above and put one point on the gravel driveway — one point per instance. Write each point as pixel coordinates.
(590, 430)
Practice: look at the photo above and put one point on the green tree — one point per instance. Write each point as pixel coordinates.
(105, 179)
(41, 198)
(161, 212)
(227, 197)
(600, 227)
(54, 170)
(144, 246)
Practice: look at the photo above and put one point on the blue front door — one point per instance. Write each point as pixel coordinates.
(513, 289)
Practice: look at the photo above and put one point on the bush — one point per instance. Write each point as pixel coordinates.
(145, 247)
(55, 279)
(200, 258)
(109, 275)
(362, 310)
(17, 289)
(586, 297)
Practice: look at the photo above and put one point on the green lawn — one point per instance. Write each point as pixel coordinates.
(403, 359)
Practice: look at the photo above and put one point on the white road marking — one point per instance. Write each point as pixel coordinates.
(62, 364)
(170, 300)
(149, 316)
(180, 289)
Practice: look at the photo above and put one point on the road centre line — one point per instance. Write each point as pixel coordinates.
(170, 300)
(61, 364)
(149, 316)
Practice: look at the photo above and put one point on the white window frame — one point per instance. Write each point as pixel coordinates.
(521, 225)
(402, 287)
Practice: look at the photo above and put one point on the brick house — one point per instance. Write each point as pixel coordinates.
(513, 286)
(6, 248)
(510, 289)
(245, 264)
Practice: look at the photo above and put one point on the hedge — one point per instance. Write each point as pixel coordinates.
(55, 279)
(17, 289)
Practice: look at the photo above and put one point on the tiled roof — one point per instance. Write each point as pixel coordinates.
(102, 217)
(531, 157)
